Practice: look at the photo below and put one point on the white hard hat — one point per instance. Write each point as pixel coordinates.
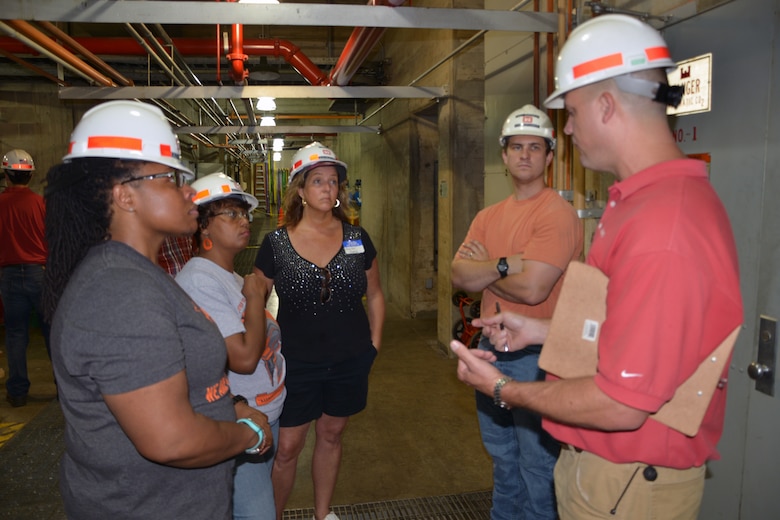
(18, 160)
(316, 154)
(219, 186)
(605, 47)
(127, 130)
(528, 120)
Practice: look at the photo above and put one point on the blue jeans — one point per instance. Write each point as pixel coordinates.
(523, 454)
(20, 289)
(253, 493)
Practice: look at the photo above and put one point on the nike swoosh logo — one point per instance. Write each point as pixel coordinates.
(629, 374)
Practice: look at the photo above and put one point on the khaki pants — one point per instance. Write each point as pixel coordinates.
(589, 487)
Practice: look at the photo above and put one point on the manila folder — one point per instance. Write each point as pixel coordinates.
(571, 348)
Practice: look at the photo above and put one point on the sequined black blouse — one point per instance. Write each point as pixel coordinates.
(321, 312)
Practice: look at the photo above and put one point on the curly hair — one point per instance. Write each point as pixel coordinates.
(293, 205)
(78, 215)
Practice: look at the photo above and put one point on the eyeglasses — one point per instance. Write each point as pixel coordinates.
(174, 175)
(325, 293)
(235, 215)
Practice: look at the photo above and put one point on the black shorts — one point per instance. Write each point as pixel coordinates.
(339, 390)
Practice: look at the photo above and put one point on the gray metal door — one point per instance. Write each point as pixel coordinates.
(742, 136)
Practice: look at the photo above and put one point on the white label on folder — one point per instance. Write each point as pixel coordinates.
(590, 330)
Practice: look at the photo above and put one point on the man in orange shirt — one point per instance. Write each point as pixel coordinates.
(516, 252)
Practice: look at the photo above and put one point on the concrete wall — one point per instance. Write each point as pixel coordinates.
(33, 118)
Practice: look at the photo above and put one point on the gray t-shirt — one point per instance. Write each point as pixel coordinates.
(218, 292)
(123, 324)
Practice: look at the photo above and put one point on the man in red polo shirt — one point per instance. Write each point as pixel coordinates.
(22, 261)
(666, 245)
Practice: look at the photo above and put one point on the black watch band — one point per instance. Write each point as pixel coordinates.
(502, 267)
(239, 399)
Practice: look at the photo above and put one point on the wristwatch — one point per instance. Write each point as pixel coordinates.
(254, 450)
(497, 392)
(502, 267)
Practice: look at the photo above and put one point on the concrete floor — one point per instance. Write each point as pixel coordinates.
(417, 438)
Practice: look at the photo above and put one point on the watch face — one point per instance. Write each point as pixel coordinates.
(502, 267)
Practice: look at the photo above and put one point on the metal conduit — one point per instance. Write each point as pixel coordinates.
(171, 72)
(53, 51)
(215, 112)
(105, 67)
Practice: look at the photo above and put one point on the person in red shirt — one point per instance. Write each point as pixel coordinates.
(666, 245)
(22, 262)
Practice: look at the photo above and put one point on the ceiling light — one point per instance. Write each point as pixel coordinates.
(267, 121)
(278, 145)
(258, 1)
(277, 156)
(266, 104)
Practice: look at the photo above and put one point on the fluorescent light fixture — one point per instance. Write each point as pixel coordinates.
(267, 121)
(266, 104)
(278, 145)
(258, 1)
(277, 156)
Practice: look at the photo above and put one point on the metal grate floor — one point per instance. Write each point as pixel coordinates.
(468, 506)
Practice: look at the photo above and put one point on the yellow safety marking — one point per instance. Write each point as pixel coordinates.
(8, 430)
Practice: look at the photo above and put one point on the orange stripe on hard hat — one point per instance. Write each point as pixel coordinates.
(597, 65)
(657, 53)
(19, 166)
(201, 194)
(108, 141)
(225, 188)
(165, 150)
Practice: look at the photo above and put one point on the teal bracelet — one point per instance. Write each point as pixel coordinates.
(254, 450)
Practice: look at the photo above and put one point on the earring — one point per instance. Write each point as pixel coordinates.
(337, 204)
(303, 201)
(207, 244)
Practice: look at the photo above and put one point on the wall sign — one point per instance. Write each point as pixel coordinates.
(695, 75)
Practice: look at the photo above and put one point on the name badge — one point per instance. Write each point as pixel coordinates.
(354, 247)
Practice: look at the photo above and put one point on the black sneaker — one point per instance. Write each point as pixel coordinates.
(16, 400)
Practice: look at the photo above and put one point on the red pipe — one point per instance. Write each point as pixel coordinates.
(236, 54)
(192, 47)
(358, 47)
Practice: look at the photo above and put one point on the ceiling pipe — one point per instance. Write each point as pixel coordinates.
(35, 69)
(52, 48)
(358, 47)
(157, 52)
(74, 45)
(42, 51)
(291, 54)
(236, 55)
(215, 111)
(195, 47)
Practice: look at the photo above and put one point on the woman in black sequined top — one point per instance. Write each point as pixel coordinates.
(321, 267)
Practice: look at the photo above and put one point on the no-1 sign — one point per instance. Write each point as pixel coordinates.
(695, 75)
